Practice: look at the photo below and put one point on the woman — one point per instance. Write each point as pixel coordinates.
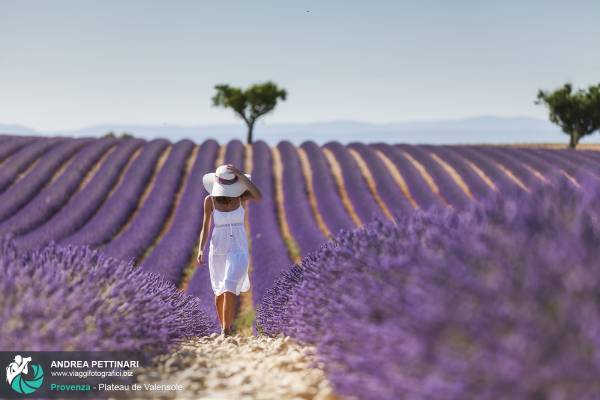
(228, 190)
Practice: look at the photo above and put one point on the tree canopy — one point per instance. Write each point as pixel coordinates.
(251, 103)
(576, 112)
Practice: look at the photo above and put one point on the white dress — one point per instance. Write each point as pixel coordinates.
(228, 252)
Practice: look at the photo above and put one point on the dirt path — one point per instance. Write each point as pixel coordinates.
(241, 367)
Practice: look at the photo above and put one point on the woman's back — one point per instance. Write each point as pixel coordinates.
(228, 234)
(228, 217)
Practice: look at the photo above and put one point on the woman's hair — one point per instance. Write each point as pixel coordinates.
(228, 200)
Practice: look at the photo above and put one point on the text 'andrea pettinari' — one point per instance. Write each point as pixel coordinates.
(96, 364)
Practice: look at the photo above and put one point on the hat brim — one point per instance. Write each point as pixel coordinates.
(216, 189)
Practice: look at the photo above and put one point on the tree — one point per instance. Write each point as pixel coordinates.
(249, 104)
(577, 113)
(124, 135)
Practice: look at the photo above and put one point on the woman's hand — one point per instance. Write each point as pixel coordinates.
(200, 258)
(252, 188)
(233, 169)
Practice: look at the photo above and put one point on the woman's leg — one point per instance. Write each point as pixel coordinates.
(228, 309)
(219, 306)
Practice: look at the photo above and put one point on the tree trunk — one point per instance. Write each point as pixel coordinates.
(574, 141)
(250, 129)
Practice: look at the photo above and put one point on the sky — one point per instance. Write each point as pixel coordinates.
(68, 64)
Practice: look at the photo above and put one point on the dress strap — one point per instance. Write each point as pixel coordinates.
(213, 202)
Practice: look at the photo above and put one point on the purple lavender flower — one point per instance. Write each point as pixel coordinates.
(298, 213)
(23, 158)
(115, 211)
(22, 191)
(329, 203)
(76, 298)
(83, 204)
(497, 301)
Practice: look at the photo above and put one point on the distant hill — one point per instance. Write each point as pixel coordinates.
(484, 129)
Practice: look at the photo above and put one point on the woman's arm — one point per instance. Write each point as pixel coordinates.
(205, 227)
(252, 188)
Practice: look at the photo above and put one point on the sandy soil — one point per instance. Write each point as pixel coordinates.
(241, 367)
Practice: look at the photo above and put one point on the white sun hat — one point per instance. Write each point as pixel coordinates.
(223, 183)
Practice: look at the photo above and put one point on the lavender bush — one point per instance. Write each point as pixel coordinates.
(75, 298)
(115, 211)
(572, 162)
(590, 155)
(11, 144)
(583, 157)
(234, 154)
(170, 256)
(544, 166)
(497, 302)
(53, 197)
(41, 174)
(390, 193)
(269, 254)
(357, 189)
(298, 213)
(329, 204)
(417, 186)
(83, 204)
(142, 230)
(477, 186)
(448, 189)
(499, 178)
(23, 158)
(511, 162)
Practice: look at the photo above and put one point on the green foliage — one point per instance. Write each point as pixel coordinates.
(124, 135)
(251, 103)
(576, 112)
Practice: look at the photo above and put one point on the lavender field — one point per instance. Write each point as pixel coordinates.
(414, 270)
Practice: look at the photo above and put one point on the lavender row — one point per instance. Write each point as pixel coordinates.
(418, 188)
(79, 299)
(543, 166)
(234, 154)
(549, 164)
(577, 164)
(298, 214)
(269, 255)
(54, 196)
(363, 202)
(17, 195)
(148, 221)
(23, 158)
(388, 190)
(458, 305)
(448, 189)
(173, 252)
(82, 206)
(590, 155)
(329, 204)
(477, 186)
(13, 144)
(500, 180)
(115, 211)
(510, 161)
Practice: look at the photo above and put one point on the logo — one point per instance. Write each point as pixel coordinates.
(23, 377)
